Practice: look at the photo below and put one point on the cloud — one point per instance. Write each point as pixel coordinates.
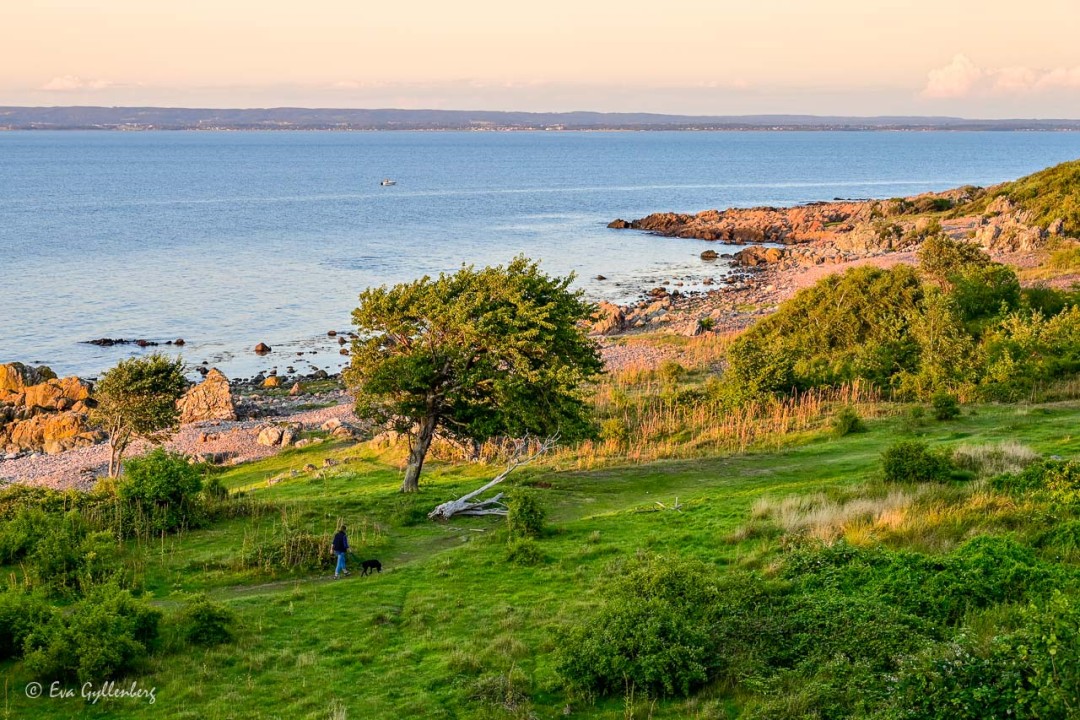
(962, 78)
(957, 79)
(69, 83)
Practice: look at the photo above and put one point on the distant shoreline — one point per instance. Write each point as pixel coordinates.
(16, 118)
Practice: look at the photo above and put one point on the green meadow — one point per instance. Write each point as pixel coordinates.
(453, 629)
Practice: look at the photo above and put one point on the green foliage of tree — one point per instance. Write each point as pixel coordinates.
(165, 487)
(472, 355)
(137, 399)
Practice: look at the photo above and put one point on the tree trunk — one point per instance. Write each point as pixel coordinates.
(417, 452)
(114, 460)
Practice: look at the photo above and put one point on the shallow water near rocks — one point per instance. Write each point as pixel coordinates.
(234, 238)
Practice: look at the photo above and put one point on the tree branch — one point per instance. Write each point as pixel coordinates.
(464, 505)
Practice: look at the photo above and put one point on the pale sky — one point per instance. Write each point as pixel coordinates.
(973, 58)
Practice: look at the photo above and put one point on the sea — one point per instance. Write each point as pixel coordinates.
(229, 239)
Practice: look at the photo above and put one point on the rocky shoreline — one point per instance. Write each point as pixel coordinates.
(45, 436)
(791, 248)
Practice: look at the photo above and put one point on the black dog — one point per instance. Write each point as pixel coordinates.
(370, 565)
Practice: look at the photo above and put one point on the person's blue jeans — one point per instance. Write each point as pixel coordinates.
(340, 563)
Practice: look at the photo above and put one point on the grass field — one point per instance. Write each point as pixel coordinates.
(449, 609)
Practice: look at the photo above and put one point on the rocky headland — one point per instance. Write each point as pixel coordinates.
(791, 248)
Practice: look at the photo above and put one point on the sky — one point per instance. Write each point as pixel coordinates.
(978, 59)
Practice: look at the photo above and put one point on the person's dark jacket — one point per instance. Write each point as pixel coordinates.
(341, 543)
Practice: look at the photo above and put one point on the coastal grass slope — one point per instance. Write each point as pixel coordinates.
(451, 628)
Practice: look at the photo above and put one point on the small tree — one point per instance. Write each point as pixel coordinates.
(137, 399)
(473, 355)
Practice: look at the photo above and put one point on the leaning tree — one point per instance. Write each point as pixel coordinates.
(496, 352)
(137, 399)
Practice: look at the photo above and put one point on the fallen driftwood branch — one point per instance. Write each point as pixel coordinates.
(465, 505)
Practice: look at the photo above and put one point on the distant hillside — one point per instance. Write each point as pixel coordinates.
(155, 118)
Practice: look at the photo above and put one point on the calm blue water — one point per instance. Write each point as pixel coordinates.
(230, 239)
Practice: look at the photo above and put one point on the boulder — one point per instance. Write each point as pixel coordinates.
(296, 390)
(272, 382)
(270, 436)
(709, 255)
(263, 349)
(619, 224)
(609, 318)
(209, 400)
(16, 376)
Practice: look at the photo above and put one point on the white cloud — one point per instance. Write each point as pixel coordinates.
(957, 79)
(68, 83)
(962, 78)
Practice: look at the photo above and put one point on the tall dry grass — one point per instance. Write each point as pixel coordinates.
(646, 418)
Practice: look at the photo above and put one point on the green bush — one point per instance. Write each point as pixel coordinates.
(614, 429)
(525, 515)
(913, 461)
(671, 372)
(847, 421)
(164, 486)
(652, 633)
(105, 634)
(21, 534)
(524, 551)
(1057, 481)
(204, 622)
(1029, 673)
(69, 557)
(945, 406)
(20, 613)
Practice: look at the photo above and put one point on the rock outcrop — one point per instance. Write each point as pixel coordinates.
(209, 400)
(608, 319)
(42, 413)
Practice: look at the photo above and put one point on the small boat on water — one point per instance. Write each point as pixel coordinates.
(387, 182)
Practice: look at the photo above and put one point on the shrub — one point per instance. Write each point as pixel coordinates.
(1030, 673)
(671, 372)
(20, 613)
(524, 551)
(507, 692)
(614, 429)
(945, 406)
(652, 633)
(105, 634)
(68, 556)
(164, 486)
(204, 622)
(913, 461)
(525, 515)
(1055, 480)
(847, 421)
(21, 534)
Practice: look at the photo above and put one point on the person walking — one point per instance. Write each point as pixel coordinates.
(340, 546)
